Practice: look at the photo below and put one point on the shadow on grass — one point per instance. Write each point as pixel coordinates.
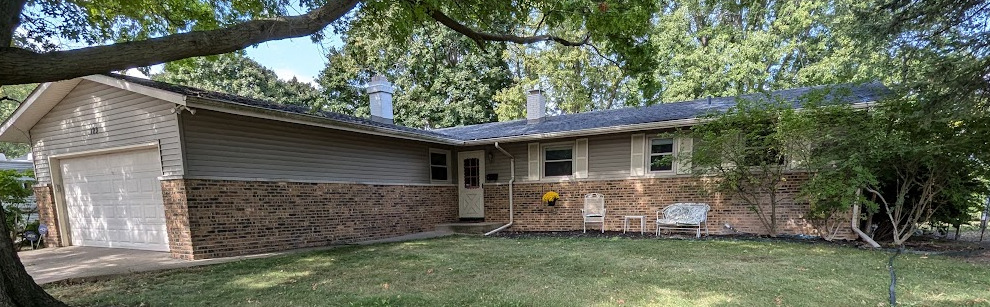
(550, 272)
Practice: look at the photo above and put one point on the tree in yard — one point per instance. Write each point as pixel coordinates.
(924, 148)
(19, 289)
(128, 34)
(152, 32)
(904, 166)
(13, 192)
(441, 78)
(742, 151)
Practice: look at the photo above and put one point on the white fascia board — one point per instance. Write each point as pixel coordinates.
(140, 89)
(41, 100)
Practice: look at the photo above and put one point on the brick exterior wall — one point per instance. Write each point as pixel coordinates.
(643, 197)
(230, 218)
(177, 219)
(45, 200)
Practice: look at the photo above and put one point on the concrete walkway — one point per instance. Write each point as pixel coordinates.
(73, 262)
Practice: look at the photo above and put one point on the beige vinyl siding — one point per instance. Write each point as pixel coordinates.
(233, 146)
(123, 118)
(496, 162)
(608, 156)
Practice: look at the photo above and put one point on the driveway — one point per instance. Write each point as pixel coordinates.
(60, 263)
(54, 264)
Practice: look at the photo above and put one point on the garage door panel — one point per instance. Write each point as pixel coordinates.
(114, 200)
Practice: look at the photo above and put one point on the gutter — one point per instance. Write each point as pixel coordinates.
(587, 132)
(512, 178)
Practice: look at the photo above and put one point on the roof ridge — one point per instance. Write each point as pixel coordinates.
(663, 104)
(633, 115)
(271, 105)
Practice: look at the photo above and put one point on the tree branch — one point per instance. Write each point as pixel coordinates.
(595, 49)
(22, 66)
(481, 37)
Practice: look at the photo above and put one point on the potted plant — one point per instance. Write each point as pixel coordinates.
(550, 198)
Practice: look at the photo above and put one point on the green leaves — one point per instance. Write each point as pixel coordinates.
(442, 78)
(236, 74)
(54, 23)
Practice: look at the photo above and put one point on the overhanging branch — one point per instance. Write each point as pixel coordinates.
(19, 66)
(481, 37)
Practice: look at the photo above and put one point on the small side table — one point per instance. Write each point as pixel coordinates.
(642, 222)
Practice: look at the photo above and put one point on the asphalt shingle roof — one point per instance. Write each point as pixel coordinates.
(568, 122)
(656, 113)
(264, 104)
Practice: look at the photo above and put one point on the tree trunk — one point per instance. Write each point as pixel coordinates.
(10, 17)
(17, 288)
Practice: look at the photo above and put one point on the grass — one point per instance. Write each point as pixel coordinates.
(472, 271)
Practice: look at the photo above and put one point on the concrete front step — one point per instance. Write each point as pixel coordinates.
(469, 228)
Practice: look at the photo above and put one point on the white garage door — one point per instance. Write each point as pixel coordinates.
(115, 200)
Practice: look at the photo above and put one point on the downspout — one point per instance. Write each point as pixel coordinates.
(512, 178)
(855, 224)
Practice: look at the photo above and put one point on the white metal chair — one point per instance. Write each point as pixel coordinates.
(594, 210)
(684, 216)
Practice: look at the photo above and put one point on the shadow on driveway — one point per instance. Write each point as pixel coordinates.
(72, 262)
(55, 264)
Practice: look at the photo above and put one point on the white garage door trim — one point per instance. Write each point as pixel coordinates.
(112, 197)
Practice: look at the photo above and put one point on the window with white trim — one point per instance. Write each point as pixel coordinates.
(661, 155)
(558, 160)
(439, 165)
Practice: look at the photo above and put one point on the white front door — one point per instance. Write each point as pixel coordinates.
(115, 200)
(471, 195)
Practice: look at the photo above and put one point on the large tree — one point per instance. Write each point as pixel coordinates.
(442, 79)
(665, 50)
(126, 34)
(122, 34)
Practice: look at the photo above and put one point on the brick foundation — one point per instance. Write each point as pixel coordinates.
(642, 197)
(230, 218)
(221, 218)
(177, 219)
(45, 200)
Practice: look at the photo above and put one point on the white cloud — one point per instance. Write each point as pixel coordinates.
(287, 74)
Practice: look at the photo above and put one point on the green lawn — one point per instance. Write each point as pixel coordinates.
(473, 271)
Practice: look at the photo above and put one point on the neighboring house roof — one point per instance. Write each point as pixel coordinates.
(660, 113)
(16, 165)
(667, 115)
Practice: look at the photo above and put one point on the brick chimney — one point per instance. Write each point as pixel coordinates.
(536, 106)
(380, 93)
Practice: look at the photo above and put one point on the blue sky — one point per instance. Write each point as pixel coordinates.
(298, 57)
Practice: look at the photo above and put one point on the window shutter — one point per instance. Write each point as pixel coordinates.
(637, 160)
(684, 147)
(581, 158)
(534, 161)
